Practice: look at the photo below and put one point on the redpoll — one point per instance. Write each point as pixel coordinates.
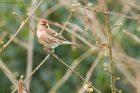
(50, 38)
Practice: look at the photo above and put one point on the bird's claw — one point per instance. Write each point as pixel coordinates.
(50, 50)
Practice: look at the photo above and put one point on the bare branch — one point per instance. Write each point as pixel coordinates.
(21, 26)
(75, 72)
(28, 77)
(8, 73)
(68, 72)
(90, 71)
(30, 45)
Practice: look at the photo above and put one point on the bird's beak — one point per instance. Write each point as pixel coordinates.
(47, 26)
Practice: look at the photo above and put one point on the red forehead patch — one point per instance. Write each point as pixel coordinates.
(44, 21)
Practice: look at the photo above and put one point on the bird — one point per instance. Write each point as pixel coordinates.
(50, 38)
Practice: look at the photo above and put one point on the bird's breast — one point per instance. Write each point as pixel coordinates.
(41, 35)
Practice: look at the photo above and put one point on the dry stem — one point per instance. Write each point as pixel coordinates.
(68, 72)
(21, 26)
(112, 65)
(66, 22)
(132, 36)
(75, 72)
(34, 71)
(90, 71)
(30, 45)
(7, 72)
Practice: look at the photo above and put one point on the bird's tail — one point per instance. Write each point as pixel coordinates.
(70, 43)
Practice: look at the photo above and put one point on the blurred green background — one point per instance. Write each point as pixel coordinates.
(126, 42)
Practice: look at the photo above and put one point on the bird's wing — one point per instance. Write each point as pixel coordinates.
(59, 37)
(54, 34)
(51, 32)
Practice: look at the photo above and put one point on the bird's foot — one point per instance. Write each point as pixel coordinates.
(49, 50)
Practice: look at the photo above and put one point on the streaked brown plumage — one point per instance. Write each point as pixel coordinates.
(48, 36)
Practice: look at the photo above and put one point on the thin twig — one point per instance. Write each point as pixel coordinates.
(132, 36)
(34, 71)
(72, 11)
(8, 73)
(127, 74)
(131, 4)
(31, 29)
(20, 86)
(112, 65)
(37, 67)
(21, 26)
(68, 72)
(20, 43)
(75, 72)
(90, 71)
(52, 9)
(108, 12)
(129, 61)
(86, 22)
(30, 45)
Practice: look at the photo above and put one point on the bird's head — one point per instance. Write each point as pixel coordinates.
(43, 22)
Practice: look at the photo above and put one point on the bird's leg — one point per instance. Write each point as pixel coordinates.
(49, 50)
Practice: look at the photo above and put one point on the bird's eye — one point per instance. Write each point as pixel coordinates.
(46, 26)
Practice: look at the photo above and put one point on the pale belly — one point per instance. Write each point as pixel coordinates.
(47, 43)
